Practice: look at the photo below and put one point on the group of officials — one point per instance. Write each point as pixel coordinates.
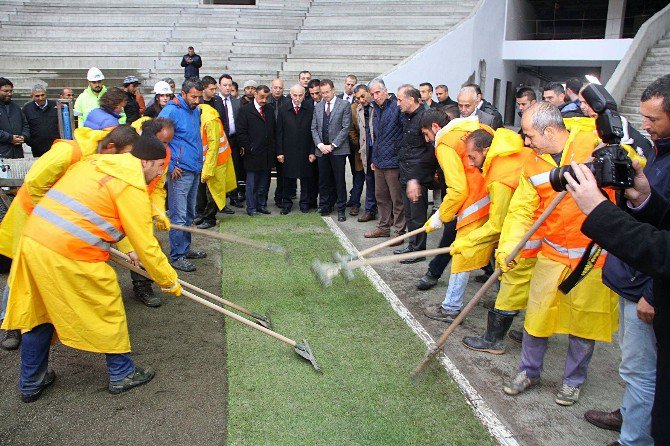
(109, 183)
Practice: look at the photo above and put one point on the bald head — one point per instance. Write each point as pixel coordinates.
(544, 128)
(277, 88)
(297, 94)
(467, 101)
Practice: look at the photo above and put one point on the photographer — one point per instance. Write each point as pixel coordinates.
(645, 249)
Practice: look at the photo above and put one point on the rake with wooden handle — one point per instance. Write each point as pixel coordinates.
(441, 342)
(302, 349)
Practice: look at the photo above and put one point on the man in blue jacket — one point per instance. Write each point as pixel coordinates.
(184, 171)
(385, 135)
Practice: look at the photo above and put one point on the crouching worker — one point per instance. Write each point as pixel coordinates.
(60, 281)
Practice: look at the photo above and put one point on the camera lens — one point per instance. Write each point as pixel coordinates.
(557, 178)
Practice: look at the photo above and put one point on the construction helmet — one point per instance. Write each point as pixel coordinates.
(94, 74)
(162, 87)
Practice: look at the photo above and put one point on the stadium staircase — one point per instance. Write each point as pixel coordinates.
(54, 42)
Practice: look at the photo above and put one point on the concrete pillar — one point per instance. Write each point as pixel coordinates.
(615, 15)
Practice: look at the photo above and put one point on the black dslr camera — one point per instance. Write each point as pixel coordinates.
(611, 165)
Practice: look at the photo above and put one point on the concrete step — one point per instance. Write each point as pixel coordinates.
(306, 50)
(84, 62)
(342, 38)
(338, 65)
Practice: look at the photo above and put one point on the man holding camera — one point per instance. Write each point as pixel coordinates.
(637, 339)
(583, 308)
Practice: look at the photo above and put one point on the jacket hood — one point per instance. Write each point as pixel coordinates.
(208, 113)
(581, 123)
(88, 139)
(505, 142)
(125, 167)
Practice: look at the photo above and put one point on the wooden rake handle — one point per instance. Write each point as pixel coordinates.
(220, 236)
(441, 342)
(398, 257)
(389, 242)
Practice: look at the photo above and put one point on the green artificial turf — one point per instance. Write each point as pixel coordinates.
(365, 395)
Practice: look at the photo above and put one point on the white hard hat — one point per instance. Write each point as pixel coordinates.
(94, 74)
(162, 87)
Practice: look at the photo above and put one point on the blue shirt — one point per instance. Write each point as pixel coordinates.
(186, 146)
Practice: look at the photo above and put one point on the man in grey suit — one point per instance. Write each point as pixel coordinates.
(330, 132)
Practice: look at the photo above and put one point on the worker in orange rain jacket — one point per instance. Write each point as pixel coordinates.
(163, 128)
(467, 200)
(60, 281)
(42, 175)
(217, 168)
(500, 158)
(586, 310)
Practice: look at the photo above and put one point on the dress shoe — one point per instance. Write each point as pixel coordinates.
(197, 220)
(367, 217)
(253, 214)
(605, 420)
(414, 260)
(206, 224)
(405, 250)
(341, 216)
(285, 211)
(354, 211)
(49, 379)
(227, 210)
(264, 210)
(236, 203)
(324, 211)
(305, 211)
(137, 378)
(427, 282)
(190, 254)
(377, 233)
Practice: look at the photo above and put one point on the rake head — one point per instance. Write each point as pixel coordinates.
(276, 249)
(263, 320)
(343, 262)
(305, 351)
(325, 272)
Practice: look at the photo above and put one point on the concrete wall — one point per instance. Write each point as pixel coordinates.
(520, 16)
(652, 30)
(454, 57)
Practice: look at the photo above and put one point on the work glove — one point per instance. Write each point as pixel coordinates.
(433, 223)
(501, 260)
(174, 289)
(161, 222)
(456, 248)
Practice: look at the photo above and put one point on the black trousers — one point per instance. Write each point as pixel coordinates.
(290, 185)
(205, 206)
(332, 185)
(238, 163)
(439, 263)
(416, 214)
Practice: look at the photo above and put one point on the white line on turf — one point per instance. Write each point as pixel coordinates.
(482, 410)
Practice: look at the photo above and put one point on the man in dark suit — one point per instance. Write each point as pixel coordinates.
(255, 130)
(231, 109)
(295, 148)
(277, 100)
(330, 133)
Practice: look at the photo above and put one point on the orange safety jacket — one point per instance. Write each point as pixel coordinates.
(23, 196)
(152, 185)
(476, 205)
(224, 148)
(80, 229)
(563, 240)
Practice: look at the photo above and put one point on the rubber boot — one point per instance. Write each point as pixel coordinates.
(492, 341)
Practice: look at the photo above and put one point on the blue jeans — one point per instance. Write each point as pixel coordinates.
(453, 300)
(182, 194)
(638, 370)
(257, 182)
(5, 297)
(35, 346)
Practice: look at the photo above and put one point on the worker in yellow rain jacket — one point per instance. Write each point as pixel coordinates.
(585, 309)
(467, 200)
(60, 281)
(500, 159)
(217, 169)
(163, 129)
(42, 175)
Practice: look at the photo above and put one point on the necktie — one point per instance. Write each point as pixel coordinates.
(296, 109)
(327, 108)
(260, 110)
(226, 124)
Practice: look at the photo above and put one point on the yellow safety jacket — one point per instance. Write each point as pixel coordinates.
(217, 169)
(59, 275)
(42, 175)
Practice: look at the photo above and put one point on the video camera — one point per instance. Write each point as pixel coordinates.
(611, 165)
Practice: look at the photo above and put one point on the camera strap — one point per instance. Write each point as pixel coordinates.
(585, 265)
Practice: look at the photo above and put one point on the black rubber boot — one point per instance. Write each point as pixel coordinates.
(492, 341)
(145, 293)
